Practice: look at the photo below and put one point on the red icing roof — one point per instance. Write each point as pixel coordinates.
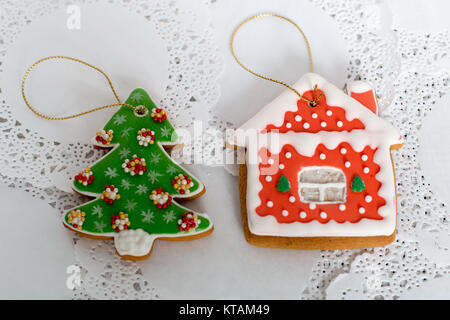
(275, 203)
(314, 119)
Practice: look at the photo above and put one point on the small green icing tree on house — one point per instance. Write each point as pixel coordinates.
(283, 184)
(136, 184)
(358, 184)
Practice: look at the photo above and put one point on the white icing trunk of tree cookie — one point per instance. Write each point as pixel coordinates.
(138, 243)
(135, 243)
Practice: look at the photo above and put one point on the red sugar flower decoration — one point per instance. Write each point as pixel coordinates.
(182, 183)
(158, 115)
(85, 177)
(104, 136)
(161, 199)
(120, 222)
(110, 194)
(188, 222)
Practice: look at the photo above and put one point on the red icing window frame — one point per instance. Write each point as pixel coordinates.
(294, 162)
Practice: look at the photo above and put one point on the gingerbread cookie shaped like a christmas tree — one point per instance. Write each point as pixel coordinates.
(136, 185)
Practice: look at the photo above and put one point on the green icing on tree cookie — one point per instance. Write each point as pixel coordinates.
(134, 175)
(283, 184)
(358, 184)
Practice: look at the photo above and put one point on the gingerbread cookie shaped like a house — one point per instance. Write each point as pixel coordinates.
(318, 177)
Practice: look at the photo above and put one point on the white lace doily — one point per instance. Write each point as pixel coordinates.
(404, 68)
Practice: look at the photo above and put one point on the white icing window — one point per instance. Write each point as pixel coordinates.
(321, 185)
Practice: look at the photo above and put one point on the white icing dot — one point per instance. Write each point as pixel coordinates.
(347, 164)
(329, 113)
(298, 118)
(268, 178)
(323, 124)
(269, 204)
(364, 157)
(285, 213)
(288, 125)
(288, 155)
(366, 170)
(340, 124)
(303, 214)
(291, 199)
(271, 161)
(306, 125)
(368, 198)
(342, 207)
(281, 166)
(312, 206)
(343, 150)
(362, 210)
(322, 156)
(323, 215)
(314, 115)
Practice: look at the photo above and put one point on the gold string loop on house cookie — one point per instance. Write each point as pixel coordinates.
(316, 98)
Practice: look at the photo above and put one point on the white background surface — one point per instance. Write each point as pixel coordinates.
(237, 271)
(29, 220)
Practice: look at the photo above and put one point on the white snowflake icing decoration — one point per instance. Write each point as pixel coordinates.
(97, 211)
(124, 153)
(111, 172)
(130, 205)
(99, 226)
(148, 216)
(136, 97)
(171, 170)
(125, 184)
(141, 189)
(165, 132)
(153, 176)
(119, 119)
(169, 216)
(155, 158)
(125, 132)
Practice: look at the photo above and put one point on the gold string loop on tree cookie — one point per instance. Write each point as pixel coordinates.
(36, 112)
(316, 98)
